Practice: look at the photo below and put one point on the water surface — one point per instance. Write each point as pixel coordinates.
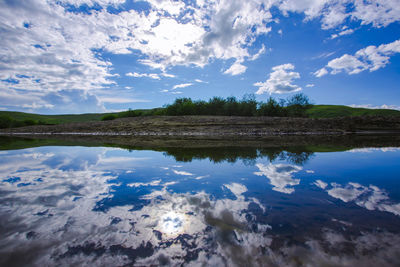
(226, 206)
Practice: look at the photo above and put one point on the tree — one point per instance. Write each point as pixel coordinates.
(271, 108)
(297, 105)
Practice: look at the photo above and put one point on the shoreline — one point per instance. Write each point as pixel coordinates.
(217, 126)
(201, 134)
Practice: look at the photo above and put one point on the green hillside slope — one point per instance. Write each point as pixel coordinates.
(316, 111)
(52, 119)
(331, 111)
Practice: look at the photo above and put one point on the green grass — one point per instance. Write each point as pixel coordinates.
(316, 111)
(53, 119)
(332, 111)
(68, 118)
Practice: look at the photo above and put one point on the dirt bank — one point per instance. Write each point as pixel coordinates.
(219, 126)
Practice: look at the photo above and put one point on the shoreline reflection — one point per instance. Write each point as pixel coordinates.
(113, 207)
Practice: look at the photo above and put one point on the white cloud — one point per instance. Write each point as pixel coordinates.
(140, 75)
(370, 58)
(310, 85)
(152, 183)
(384, 106)
(182, 85)
(236, 69)
(280, 81)
(121, 100)
(323, 55)
(46, 47)
(259, 53)
(168, 75)
(200, 81)
(321, 72)
(348, 63)
(91, 3)
(333, 13)
(379, 13)
(345, 32)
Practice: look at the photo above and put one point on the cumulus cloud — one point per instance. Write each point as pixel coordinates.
(63, 101)
(47, 46)
(236, 69)
(370, 58)
(321, 72)
(378, 13)
(280, 81)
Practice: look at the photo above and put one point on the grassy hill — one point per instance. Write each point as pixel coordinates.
(53, 119)
(332, 111)
(316, 111)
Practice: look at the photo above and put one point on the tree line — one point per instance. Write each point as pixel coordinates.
(295, 106)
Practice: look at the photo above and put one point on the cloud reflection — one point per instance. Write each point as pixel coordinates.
(48, 217)
(280, 176)
(370, 197)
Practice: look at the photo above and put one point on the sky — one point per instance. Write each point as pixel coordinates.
(86, 56)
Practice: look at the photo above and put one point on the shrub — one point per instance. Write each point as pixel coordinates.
(30, 122)
(271, 108)
(297, 105)
(6, 122)
(108, 117)
(130, 113)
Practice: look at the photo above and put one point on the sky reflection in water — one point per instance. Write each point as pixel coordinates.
(112, 207)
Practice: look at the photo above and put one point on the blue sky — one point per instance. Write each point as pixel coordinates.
(80, 56)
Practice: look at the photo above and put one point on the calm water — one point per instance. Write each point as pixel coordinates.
(99, 206)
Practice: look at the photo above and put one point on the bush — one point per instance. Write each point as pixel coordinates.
(130, 113)
(297, 105)
(30, 122)
(271, 109)
(108, 117)
(6, 122)
(248, 106)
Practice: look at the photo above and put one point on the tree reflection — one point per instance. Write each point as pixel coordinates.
(247, 155)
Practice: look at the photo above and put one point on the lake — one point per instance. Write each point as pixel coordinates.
(67, 204)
